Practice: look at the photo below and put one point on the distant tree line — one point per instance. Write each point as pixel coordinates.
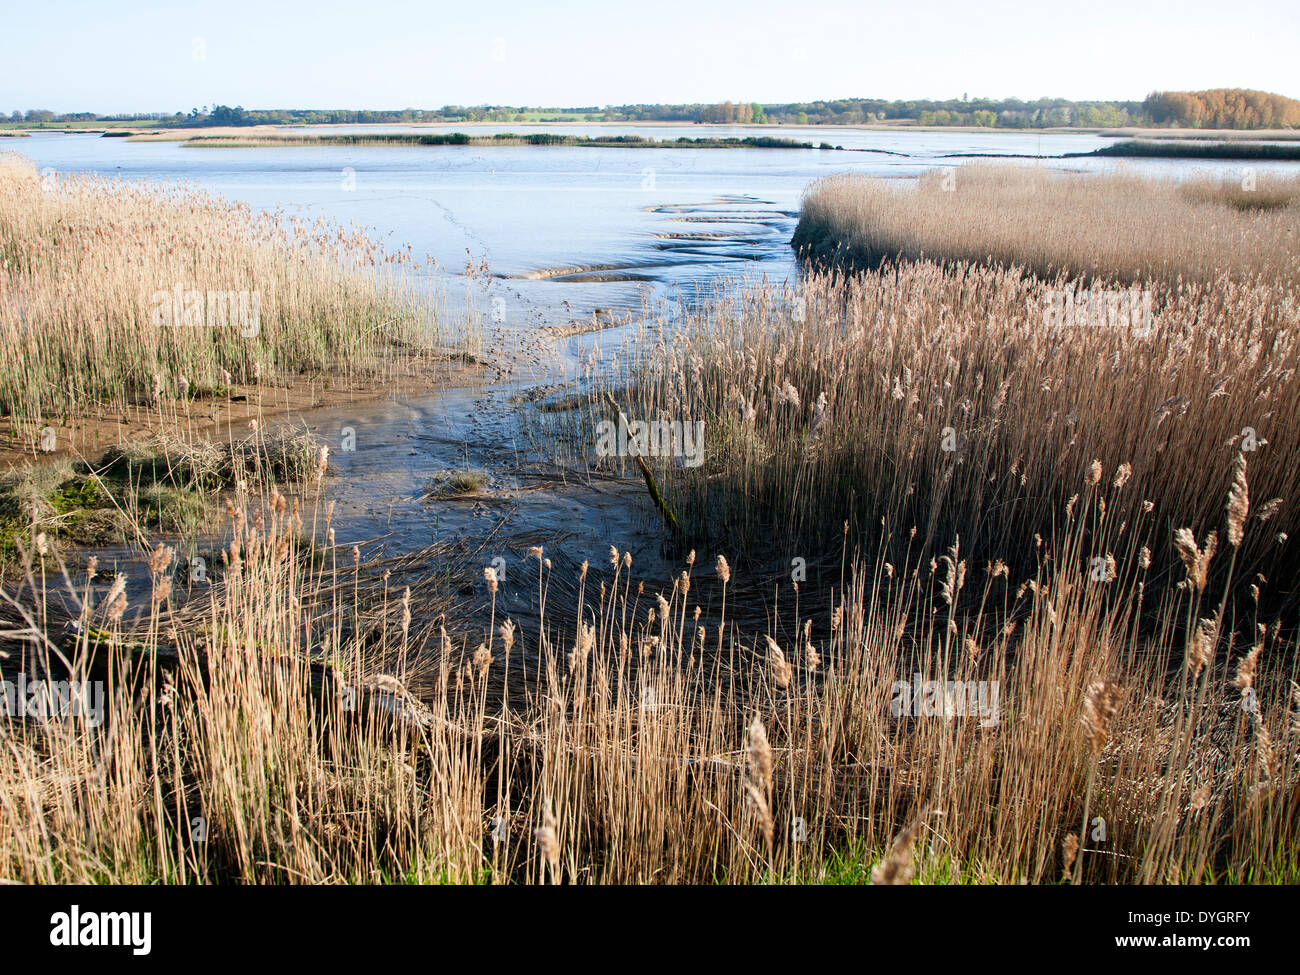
(1223, 108)
(1236, 108)
(988, 112)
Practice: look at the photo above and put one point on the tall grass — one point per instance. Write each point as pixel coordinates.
(1277, 151)
(1112, 227)
(943, 403)
(82, 259)
(271, 733)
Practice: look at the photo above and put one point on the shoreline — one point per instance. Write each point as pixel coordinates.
(501, 140)
(219, 418)
(1186, 149)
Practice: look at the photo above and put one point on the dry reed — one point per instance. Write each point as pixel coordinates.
(85, 261)
(1113, 226)
(260, 738)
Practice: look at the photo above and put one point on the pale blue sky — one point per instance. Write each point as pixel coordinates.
(146, 56)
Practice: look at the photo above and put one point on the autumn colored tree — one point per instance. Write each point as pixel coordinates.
(1223, 108)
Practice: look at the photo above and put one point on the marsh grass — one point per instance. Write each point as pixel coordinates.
(466, 482)
(1276, 150)
(941, 402)
(648, 742)
(1112, 227)
(138, 489)
(1248, 195)
(82, 260)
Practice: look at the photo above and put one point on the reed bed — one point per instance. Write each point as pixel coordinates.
(1114, 226)
(265, 735)
(87, 265)
(1275, 151)
(944, 401)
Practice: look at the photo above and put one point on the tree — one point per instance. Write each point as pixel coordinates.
(225, 115)
(1229, 108)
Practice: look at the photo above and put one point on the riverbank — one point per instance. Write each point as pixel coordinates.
(229, 141)
(1226, 145)
(230, 414)
(177, 296)
(1184, 148)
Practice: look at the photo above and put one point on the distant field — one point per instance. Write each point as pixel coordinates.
(95, 126)
(556, 117)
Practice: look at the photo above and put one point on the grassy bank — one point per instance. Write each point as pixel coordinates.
(139, 490)
(1217, 135)
(944, 403)
(231, 140)
(1184, 148)
(120, 294)
(1115, 497)
(78, 125)
(1109, 227)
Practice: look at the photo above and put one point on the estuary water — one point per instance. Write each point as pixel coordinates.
(566, 230)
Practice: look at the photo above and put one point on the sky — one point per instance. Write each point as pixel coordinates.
(112, 56)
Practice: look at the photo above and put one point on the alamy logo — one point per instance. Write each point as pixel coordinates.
(1099, 309)
(47, 699)
(651, 438)
(179, 308)
(104, 929)
(946, 699)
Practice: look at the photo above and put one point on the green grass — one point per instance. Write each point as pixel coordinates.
(160, 485)
(73, 503)
(452, 483)
(557, 116)
(91, 126)
(850, 865)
